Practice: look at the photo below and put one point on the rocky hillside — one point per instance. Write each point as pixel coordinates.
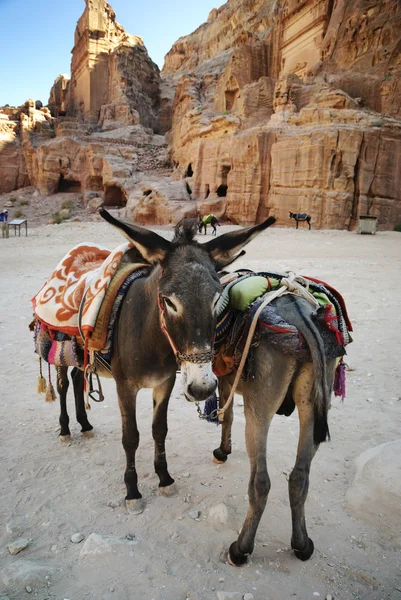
(268, 107)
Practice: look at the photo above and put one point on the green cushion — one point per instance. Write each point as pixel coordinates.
(243, 293)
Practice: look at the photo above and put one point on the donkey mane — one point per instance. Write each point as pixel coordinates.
(184, 233)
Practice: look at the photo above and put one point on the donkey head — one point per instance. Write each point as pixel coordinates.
(188, 289)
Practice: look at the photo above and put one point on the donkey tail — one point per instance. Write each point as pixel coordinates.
(297, 312)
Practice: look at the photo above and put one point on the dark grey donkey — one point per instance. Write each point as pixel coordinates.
(165, 318)
(279, 383)
(300, 218)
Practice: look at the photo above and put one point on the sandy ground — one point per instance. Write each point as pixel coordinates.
(50, 491)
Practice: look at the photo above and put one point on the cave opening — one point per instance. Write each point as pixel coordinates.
(207, 191)
(189, 172)
(230, 96)
(222, 190)
(68, 186)
(188, 188)
(113, 196)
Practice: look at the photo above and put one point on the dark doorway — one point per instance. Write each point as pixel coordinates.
(189, 172)
(69, 186)
(230, 98)
(207, 191)
(222, 191)
(188, 188)
(113, 196)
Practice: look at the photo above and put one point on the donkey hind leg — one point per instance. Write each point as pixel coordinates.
(261, 404)
(130, 439)
(161, 397)
(62, 388)
(309, 223)
(220, 454)
(78, 383)
(299, 479)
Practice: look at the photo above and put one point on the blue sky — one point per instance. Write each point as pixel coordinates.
(37, 37)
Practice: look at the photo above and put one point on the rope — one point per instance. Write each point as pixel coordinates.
(292, 284)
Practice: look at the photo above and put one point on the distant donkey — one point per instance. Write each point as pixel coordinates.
(301, 217)
(208, 220)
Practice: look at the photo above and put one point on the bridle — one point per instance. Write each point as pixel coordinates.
(193, 357)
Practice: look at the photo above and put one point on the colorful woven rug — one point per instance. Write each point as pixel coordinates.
(85, 272)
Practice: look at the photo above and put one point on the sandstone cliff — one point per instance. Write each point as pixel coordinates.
(269, 106)
(291, 106)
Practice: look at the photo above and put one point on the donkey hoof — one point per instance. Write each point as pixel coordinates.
(135, 507)
(219, 457)
(88, 434)
(64, 438)
(235, 558)
(307, 552)
(168, 490)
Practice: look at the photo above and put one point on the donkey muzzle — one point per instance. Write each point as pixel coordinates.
(198, 381)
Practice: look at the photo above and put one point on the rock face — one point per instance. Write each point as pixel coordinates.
(269, 107)
(109, 67)
(275, 111)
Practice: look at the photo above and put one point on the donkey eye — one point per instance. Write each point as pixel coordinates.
(169, 303)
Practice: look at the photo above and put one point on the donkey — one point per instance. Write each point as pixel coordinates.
(213, 222)
(165, 318)
(77, 377)
(280, 383)
(300, 218)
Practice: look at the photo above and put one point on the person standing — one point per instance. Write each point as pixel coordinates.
(4, 224)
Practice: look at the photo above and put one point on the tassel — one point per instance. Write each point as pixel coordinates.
(210, 410)
(339, 380)
(41, 383)
(50, 393)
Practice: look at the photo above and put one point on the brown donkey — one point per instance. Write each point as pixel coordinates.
(164, 318)
(279, 382)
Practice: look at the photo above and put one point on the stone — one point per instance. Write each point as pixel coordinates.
(17, 546)
(25, 572)
(95, 545)
(218, 515)
(76, 538)
(377, 483)
(248, 596)
(194, 514)
(28, 589)
(228, 596)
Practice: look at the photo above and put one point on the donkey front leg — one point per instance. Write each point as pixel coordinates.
(130, 439)
(299, 479)
(62, 388)
(78, 383)
(220, 454)
(161, 397)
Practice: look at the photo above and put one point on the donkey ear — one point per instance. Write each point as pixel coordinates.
(224, 248)
(152, 246)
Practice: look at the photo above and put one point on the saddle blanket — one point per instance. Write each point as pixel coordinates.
(71, 299)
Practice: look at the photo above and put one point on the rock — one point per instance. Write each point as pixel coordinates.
(377, 483)
(229, 596)
(329, 597)
(130, 536)
(218, 515)
(28, 589)
(25, 572)
(194, 514)
(248, 596)
(95, 545)
(18, 546)
(76, 538)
